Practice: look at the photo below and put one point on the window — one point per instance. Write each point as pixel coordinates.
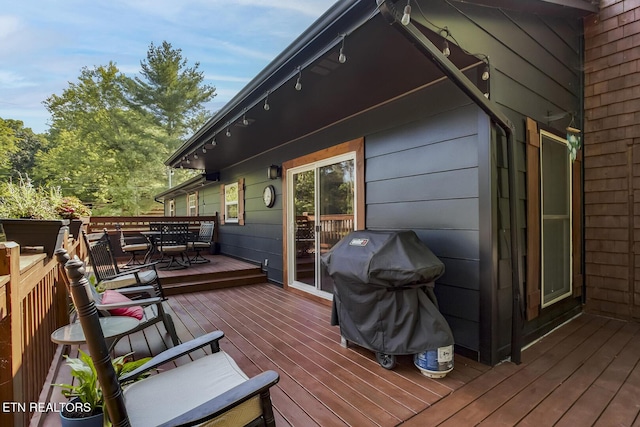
(172, 207)
(555, 201)
(554, 221)
(192, 204)
(232, 203)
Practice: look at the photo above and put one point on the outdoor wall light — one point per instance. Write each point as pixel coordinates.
(274, 172)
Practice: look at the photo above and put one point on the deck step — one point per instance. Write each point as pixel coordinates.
(199, 284)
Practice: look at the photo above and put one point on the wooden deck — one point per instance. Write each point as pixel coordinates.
(585, 373)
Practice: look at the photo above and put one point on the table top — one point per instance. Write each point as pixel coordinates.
(112, 326)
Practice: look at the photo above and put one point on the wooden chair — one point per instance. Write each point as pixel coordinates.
(133, 247)
(107, 272)
(144, 297)
(207, 390)
(201, 242)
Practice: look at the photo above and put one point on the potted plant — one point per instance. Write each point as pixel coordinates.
(86, 407)
(72, 208)
(28, 215)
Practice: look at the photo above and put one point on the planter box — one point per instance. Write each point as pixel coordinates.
(48, 234)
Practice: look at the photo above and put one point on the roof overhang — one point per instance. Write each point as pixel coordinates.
(381, 65)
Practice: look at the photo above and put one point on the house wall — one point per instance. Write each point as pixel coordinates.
(535, 73)
(612, 159)
(421, 173)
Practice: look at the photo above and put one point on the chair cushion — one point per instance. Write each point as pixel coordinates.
(135, 247)
(199, 245)
(172, 248)
(146, 277)
(166, 395)
(114, 297)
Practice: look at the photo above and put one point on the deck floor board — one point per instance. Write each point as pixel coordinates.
(585, 373)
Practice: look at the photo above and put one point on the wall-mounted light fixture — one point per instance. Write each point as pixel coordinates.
(274, 172)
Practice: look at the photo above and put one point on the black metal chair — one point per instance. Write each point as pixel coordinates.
(134, 246)
(173, 241)
(202, 242)
(202, 391)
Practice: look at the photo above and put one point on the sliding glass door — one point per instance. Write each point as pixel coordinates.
(322, 211)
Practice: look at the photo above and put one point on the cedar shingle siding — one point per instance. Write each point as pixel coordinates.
(612, 159)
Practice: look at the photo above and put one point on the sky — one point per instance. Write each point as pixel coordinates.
(44, 44)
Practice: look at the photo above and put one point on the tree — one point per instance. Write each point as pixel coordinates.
(8, 145)
(171, 92)
(104, 152)
(110, 134)
(21, 157)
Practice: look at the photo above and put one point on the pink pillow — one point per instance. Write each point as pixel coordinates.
(114, 297)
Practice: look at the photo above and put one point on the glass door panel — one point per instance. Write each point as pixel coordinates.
(336, 190)
(304, 199)
(556, 221)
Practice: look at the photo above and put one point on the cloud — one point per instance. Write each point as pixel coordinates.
(45, 44)
(13, 80)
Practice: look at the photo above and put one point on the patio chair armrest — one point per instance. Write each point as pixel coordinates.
(173, 353)
(227, 400)
(138, 290)
(133, 303)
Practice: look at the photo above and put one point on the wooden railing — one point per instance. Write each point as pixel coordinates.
(332, 228)
(33, 304)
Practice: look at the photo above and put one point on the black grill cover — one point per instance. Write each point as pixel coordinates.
(383, 292)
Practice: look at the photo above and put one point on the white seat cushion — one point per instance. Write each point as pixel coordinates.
(135, 247)
(146, 277)
(164, 396)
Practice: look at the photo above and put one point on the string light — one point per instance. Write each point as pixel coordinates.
(298, 85)
(213, 141)
(406, 17)
(228, 133)
(244, 120)
(195, 156)
(342, 58)
(266, 103)
(485, 73)
(204, 149)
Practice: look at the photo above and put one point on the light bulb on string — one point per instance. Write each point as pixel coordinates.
(204, 149)
(228, 133)
(485, 73)
(195, 156)
(445, 49)
(342, 58)
(406, 16)
(266, 103)
(214, 142)
(244, 120)
(298, 85)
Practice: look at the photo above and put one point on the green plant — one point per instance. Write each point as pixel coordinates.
(86, 386)
(24, 200)
(70, 207)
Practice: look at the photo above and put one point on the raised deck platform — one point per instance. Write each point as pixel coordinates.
(221, 272)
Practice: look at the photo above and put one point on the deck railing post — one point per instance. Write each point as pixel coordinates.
(11, 387)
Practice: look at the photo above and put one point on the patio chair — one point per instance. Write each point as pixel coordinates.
(106, 270)
(150, 305)
(133, 246)
(201, 242)
(211, 389)
(173, 241)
